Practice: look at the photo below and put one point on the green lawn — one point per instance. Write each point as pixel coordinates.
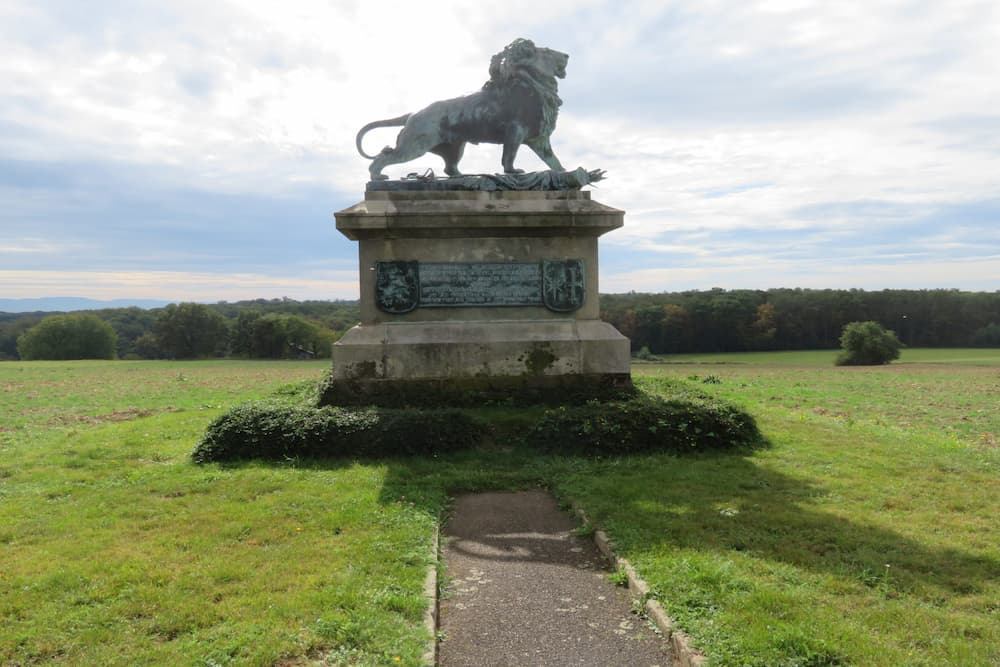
(928, 392)
(865, 533)
(116, 550)
(963, 356)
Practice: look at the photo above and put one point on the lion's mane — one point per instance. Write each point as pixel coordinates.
(513, 67)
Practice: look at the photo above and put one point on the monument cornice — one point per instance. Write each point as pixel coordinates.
(464, 214)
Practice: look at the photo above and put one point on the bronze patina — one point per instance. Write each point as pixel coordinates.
(517, 105)
(402, 286)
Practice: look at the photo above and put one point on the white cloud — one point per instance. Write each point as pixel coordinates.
(179, 286)
(716, 121)
(33, 246)
(765, 272)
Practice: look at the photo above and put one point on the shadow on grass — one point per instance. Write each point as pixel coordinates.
(726, 504)
(719, 503)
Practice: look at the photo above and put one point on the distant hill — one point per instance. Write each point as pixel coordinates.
(65, 304)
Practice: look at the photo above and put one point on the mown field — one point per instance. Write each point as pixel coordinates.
(116, 550)
(865, 533)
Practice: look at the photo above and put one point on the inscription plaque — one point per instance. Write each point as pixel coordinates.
(402, 286)
(480, 284)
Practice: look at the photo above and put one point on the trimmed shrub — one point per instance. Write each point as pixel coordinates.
(867, 344)
(647, 423)
(279, 430)
(291, 426)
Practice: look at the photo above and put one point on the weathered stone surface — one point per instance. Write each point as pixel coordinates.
(481, 214)
(509, 343)
(476, 227)
(423, 350)
(523, 390)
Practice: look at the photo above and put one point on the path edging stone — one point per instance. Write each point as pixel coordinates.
(684, 655)
(429, 658)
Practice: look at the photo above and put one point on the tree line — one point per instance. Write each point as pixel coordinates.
(262, 328)
(670, 322)
(799, 319)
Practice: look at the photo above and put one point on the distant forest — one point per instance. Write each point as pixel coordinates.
(799, 319)
(671, 322)
(261, 328)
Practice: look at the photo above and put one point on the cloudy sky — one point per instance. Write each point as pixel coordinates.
(182, 150)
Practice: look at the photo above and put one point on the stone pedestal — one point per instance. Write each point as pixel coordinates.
(480, 295)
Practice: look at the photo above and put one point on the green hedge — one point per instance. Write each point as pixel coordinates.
(677, 418)
(644, 424)
(279, 430)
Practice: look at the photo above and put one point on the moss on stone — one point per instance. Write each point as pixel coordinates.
(475, 391)
(539, 360)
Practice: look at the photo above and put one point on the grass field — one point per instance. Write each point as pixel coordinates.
(825, 358)
(116, 550)
(950, 392)
(864, 534)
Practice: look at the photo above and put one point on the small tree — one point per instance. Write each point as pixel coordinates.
(242, 334)
(867, 344)
(276, 336)
(11, 331)
(190, 330)
(147, 346)
(60, 337)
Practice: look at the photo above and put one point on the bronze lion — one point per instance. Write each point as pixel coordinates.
(518, 105)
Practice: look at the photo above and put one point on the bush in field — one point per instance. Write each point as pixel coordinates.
(867, 344)
(644, 354)
(82, 336)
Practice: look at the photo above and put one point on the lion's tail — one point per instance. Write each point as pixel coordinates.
(391, 122)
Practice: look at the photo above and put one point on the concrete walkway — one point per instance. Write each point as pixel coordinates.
(522, 590)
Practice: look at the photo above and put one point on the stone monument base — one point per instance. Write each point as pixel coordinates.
(477, 296)
(467, 363)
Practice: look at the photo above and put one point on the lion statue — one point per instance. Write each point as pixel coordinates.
(518, 105)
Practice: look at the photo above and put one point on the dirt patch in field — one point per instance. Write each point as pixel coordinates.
(837, 414)
(987, 441)
(129, 414)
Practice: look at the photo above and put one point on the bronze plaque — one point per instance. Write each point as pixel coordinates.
(401, 286)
